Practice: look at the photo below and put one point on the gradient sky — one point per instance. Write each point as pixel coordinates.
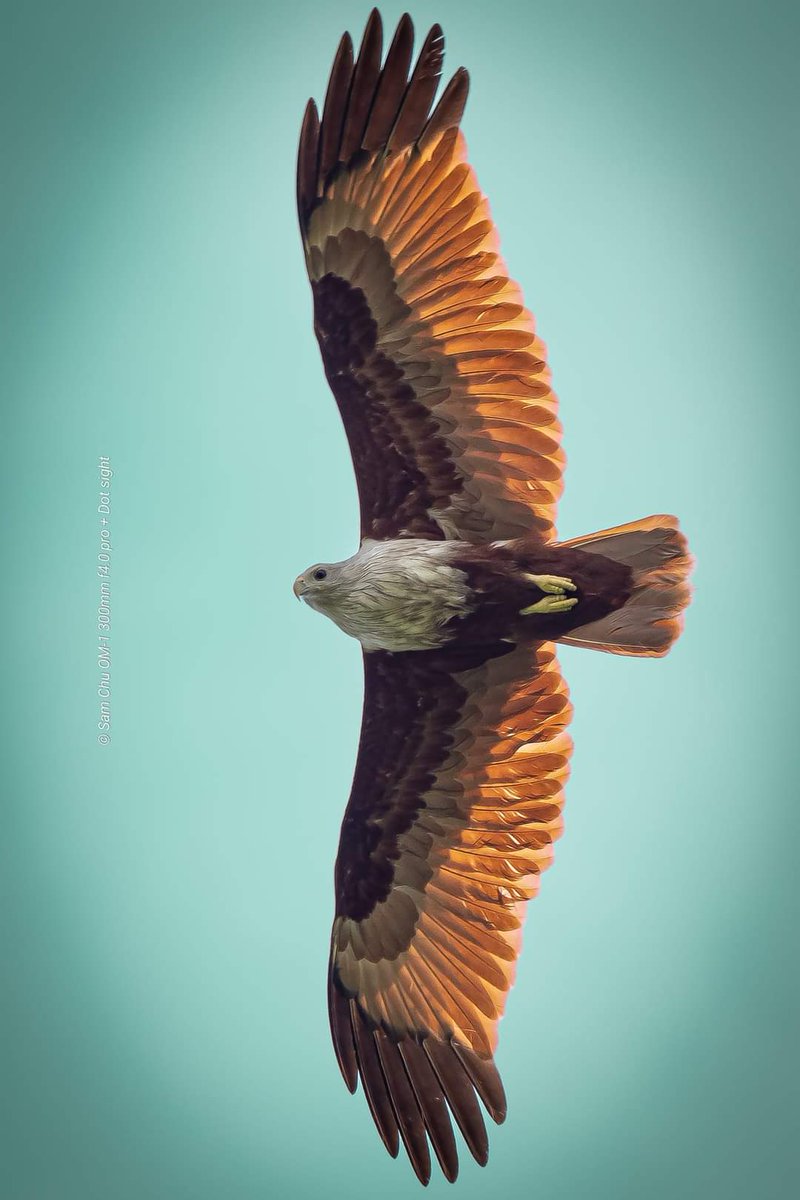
(170, 893)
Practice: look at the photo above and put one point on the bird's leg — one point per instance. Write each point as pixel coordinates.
(555, 599)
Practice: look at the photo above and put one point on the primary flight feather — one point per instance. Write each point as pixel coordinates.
(457, 592)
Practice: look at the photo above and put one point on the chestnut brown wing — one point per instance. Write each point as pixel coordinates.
(433, 359)
(455, 805)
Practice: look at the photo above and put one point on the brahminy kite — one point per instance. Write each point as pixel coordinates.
(457, 593)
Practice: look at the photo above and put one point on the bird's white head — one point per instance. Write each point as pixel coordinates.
(318, 585)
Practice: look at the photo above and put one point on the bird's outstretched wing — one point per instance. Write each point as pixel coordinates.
(455, 805)
(439, 376)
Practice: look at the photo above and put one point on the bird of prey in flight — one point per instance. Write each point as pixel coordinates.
(457, 593)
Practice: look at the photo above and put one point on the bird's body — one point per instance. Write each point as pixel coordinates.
(411, 594)
(457, 593)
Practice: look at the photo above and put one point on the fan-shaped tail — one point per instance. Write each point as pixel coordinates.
(651, 619)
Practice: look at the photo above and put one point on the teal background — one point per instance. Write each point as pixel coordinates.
(169, 895)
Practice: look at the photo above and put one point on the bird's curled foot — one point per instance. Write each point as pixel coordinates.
(555, 599)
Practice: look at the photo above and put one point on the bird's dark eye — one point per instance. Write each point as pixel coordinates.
(320, 573)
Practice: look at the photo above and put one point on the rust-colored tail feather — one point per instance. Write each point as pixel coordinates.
(652, 618)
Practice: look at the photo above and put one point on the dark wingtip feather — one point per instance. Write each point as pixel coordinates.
(333, 114)
(406, 24)
(450, 109)
(342, 1031)
(374, 1081)
(373, 26)
(307, 157)
(362, 92)
(486, 1081)
(391, 86)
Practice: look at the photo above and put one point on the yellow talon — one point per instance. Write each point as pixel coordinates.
(555, 599)
(551, 583)
(555, 603)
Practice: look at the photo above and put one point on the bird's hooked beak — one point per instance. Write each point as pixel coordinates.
(299, 586)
